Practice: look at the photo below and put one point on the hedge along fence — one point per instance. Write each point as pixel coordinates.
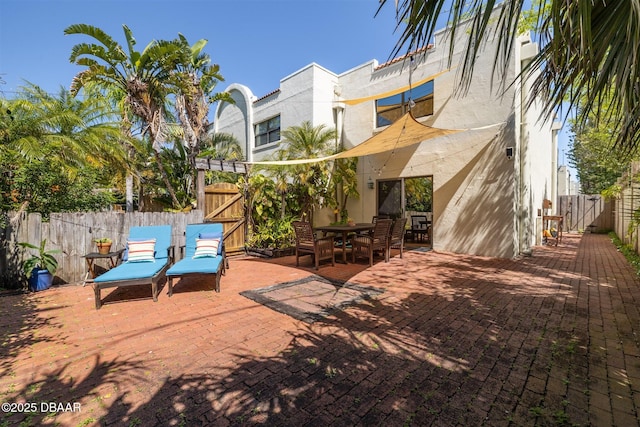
(74, 234)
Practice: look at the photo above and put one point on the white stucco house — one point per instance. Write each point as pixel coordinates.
(488, 181)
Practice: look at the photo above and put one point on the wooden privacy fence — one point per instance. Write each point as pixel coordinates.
(627, 207)
(74, 234)
(586, 212)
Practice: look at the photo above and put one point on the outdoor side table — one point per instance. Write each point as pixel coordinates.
(113, 257)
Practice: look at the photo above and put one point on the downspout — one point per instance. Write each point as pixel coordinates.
(527, 51)
(555, 128)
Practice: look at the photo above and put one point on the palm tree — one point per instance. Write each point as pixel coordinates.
(587, 48)
(139, 79)
(308, 142)
(194, 81)
(77, 132)
(220, 145)
(59, 133)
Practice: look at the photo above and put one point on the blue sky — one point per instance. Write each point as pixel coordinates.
(255, 42)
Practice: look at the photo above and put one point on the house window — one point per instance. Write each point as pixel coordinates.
(268, 131)
(391, 108)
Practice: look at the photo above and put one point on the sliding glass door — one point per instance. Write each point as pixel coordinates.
(405, 196)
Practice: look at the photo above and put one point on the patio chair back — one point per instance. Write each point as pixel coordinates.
(419, 227)
(366, 245)
(197, 231)
(396, 239)
(307, 244)
(304, 233)
(381, 233)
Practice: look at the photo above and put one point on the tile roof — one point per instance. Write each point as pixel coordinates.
(403, 57)
(267, 95)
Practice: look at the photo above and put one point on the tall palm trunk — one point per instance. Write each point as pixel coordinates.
(154, 119)
(165, 178)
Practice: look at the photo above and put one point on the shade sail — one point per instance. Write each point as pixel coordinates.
(404, 132)
(396, 91)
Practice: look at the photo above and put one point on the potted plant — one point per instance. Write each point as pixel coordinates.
(39, 267)
(104, 245)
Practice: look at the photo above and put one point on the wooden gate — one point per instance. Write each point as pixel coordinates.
(224, 203)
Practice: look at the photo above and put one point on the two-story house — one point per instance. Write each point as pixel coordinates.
(482, 187)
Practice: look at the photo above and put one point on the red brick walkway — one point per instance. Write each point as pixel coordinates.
(454, 340)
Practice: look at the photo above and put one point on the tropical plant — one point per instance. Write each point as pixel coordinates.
(194, 82)
(53, 148)
(308, 142)
(597, 165)
(273, 233)
(345, 183)
(77, 132)
(139, 81)
(587, 47)
(43, 259)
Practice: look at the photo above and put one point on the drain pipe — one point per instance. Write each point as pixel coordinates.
(555, 128)
(527, 51)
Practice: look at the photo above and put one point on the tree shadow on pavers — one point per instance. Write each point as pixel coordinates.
(59, 398)
(21, 323)
(467, 357)
(454, 348)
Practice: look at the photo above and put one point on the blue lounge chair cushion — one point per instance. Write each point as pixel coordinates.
(141, 270)
(195, 265)
(132, 270)
(202, 231)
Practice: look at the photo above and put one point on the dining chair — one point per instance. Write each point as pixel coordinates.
(308, 244)
(366, 245)
(396, 236)
(419, 227)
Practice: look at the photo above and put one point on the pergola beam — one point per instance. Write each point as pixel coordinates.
(208, 164)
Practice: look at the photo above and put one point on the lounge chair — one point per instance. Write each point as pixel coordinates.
(148, 256)
(202, 255)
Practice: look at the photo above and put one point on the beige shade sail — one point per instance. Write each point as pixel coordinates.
(404, 132)
(396, 91)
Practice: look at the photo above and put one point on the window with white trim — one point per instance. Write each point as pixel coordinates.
(268, 131)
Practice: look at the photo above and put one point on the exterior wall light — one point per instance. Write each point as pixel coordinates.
(509, 152)
(370, 184)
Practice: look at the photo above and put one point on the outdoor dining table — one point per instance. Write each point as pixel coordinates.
(345, 229)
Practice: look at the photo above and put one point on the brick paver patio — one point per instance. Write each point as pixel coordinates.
(454, 340)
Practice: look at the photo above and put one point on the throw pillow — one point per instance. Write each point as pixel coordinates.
(206, 248)
(125, 254)
(213, 235)
(142, 250)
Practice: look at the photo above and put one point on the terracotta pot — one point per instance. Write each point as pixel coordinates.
(104, 248)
